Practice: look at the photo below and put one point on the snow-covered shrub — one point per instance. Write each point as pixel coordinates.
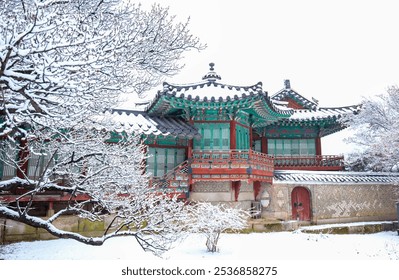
(213, 219)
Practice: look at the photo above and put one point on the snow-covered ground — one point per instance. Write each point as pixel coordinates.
(268, 246)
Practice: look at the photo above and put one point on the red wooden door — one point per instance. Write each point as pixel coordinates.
(300, 203)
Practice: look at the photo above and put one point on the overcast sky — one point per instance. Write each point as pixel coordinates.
(335, 51)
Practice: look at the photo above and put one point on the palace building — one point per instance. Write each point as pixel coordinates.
(224, 143)
(211, 141)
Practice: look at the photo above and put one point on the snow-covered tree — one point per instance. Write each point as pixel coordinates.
(61, 59)
(213, 219)
(63, 63)
(376, 133)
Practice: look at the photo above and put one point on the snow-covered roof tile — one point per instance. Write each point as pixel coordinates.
(140, 122)
(323, 113)
(286, 176)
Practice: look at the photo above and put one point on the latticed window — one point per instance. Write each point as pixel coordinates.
(163, 160)
(38, 162)
(215, 136)
(291, 147)
(257, 145)
(8, 160)
(242, 137)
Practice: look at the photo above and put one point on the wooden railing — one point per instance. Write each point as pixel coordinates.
(231, 165)
(237, 165)
(319, 162)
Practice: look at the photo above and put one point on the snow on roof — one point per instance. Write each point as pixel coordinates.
(320, 113)
(211, 89)
(292, 176)
(140, 122)
(288, 92)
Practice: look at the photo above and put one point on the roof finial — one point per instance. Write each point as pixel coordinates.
(287, 84)
(211, 65)
(211, 76)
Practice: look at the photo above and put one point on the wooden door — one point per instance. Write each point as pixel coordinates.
(300, 203)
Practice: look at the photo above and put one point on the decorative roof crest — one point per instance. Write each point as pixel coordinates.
(211, 76)
(287, 84)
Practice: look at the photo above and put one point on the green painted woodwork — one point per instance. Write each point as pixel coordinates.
(38, 162)
(116, 137)
(208, 110)
(257, 146)
(291, 147)
(301, 129)
(242, 138)
(215, 136)
(291, 132)
(163, 160)
(7, 171)
(165, 140)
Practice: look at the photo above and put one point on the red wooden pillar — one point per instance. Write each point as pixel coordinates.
(250, 138)
(263, 145)
(257, 187)
(236, 188)
(50, 211)
(23, 159)
(233, 141)
(189, 158)
(318, 146)
(189, 149)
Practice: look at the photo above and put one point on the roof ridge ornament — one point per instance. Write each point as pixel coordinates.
(211, 76)
(287, 84)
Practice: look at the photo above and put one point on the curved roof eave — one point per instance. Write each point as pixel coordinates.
(210, 93)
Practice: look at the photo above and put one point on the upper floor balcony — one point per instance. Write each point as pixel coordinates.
(231, 165)
(238, 165)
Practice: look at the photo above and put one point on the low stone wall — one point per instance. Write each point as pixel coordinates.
(12, 231)
(222, 192)
(334, 202)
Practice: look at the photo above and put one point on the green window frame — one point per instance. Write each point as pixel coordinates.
(8, 150)
(214, 136)
(162, 160)
(242, 138)
(292, 147)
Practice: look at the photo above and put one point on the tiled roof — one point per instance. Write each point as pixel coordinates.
(290, 176)
(140, 122)
(287, 92)
(323, 113)
(212, 91)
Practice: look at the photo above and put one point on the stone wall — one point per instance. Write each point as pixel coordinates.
(222, 192)
(12, 231)
(211, 191)
(342, 203)
(274, 200)
(333, 202)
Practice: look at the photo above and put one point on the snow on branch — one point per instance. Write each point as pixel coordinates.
(376, 133)
(212, 220)
(62, 65)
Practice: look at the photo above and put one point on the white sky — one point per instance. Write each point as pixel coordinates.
(335, 51)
